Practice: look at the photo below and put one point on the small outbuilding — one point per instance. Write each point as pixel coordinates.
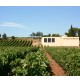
(60, 41)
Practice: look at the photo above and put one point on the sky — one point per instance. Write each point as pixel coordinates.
(21, 21)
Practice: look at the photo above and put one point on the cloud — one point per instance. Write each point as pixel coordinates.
(12, 24)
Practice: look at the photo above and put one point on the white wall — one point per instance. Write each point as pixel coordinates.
(62, 41)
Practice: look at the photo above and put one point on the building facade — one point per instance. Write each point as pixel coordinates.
(60, 41)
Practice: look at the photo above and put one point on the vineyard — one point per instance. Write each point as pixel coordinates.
(20, 58)
(23, 61)
(68, 58)
(15, 43)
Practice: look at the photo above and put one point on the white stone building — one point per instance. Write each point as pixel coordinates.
(60, 41)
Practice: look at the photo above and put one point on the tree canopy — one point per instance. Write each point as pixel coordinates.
(4, 36)
(13, 37)
(36, 34)
(73, 32)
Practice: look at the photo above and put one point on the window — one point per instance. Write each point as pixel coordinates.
(53, 39)
(45, 39)
(49, 39)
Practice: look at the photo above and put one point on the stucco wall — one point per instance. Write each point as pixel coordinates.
(61, 41)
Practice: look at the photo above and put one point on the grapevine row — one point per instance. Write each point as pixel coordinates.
(15, 43)
(67, 57)
(22, 61)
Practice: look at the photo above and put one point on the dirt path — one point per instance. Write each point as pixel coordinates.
(55, 68)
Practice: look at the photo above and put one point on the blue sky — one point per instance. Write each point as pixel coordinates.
(22, 21)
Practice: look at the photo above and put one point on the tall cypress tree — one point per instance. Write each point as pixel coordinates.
(72, 32)
(79, 33)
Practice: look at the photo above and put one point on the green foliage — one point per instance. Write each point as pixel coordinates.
(23, 61)
(36, 64)
(68, 58)
(79, 32)
(36, 34)
(0, 35)
(72, 32)
(13, 37)
(15, 43)
(55, 35)
(4, 36)
(49, 35)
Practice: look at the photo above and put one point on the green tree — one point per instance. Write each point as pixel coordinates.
(55, 35)
(13, 37)
(66, 33)
(72, 32)
(44, 35)
(39, 34)
(76, 31)
(79, 33)
(49, 35)
(32, 34)
(4, 36)
(0, 35)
